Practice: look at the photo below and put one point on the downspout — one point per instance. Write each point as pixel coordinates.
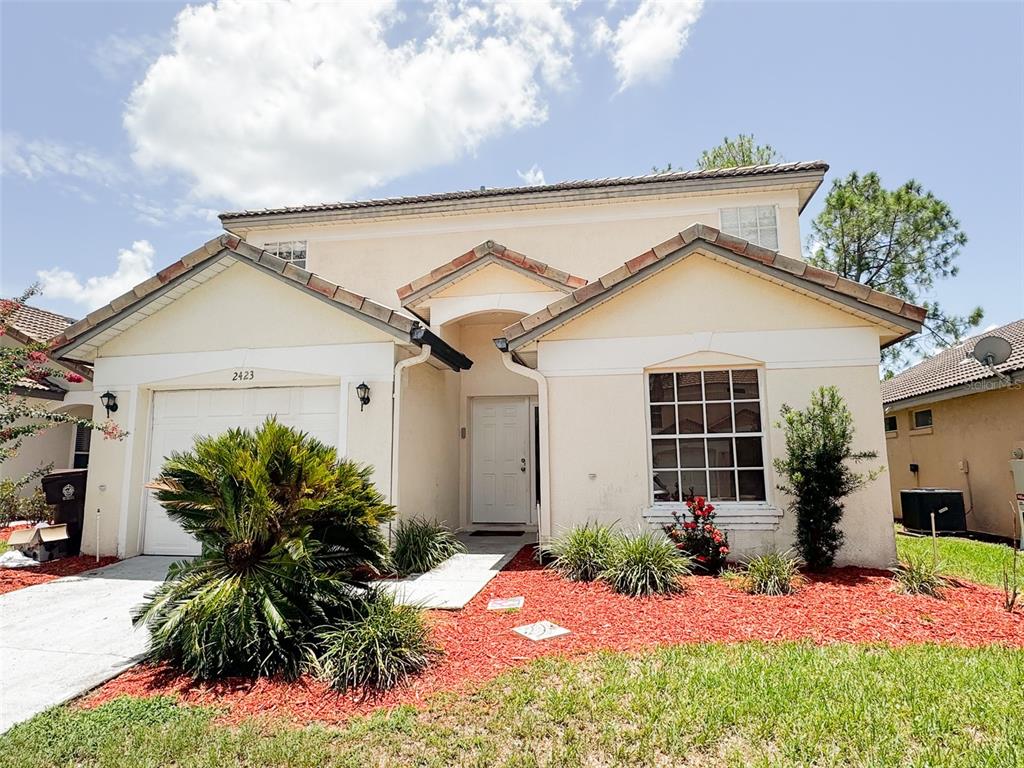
(396, 418)
(544, 516)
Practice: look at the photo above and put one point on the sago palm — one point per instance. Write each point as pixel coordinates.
(284, 525)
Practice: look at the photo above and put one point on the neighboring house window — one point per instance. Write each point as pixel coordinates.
(706, 435)
(756, 223)
(289, 250)
(923, 419)
(890, 423)
(83, 439)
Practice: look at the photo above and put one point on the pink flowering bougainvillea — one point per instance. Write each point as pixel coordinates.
(696, 534)
(21, 415)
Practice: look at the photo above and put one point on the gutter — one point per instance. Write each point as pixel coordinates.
(544, 516)
(441, 349)
(396, 418)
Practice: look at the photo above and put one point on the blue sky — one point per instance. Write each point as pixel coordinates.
(115, 161)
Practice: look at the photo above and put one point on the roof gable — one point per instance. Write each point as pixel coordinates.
(880, 308)
(955, 367)
(84, 338)
(483, 255)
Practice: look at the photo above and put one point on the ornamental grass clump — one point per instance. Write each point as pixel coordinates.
(645, 564)
(581, 554)
(284, 525)
(920, 574)
(383, 645)
(698, 536)
(776, 573)
(421, 545)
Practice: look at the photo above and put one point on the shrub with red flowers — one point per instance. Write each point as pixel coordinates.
(696, 534)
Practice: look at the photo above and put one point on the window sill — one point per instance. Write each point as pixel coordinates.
(921, 431)
(735, 515)
(891, 435)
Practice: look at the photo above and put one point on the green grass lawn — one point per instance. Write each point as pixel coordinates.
(975, 561)
(741, 705)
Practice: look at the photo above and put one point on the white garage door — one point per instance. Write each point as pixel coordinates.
(179, 416)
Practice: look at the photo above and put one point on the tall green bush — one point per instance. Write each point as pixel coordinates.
(284, 525)
(816, 472)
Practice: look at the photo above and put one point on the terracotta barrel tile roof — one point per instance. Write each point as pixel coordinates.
(486, 253)
(400, 324)
(954, 366)
(563, 186)
(38, 324)
(906, 315)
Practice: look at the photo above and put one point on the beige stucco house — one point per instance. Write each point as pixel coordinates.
(536, 357)
(960, 424)
(63, 446)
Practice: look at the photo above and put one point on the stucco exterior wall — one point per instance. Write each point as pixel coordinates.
(980, 429)
(51, 446)
(428, 481)
(588, 240)
(597, 390)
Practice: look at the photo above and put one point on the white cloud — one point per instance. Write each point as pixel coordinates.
(643, 45)
(533, 176)
(134, 265)
(43, 158)
(118, 55)
(275, 103)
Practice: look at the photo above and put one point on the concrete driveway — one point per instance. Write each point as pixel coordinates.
(62, 638)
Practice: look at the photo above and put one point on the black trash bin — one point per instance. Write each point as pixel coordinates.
(65, 489)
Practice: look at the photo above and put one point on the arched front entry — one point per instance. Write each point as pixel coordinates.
(497, 434)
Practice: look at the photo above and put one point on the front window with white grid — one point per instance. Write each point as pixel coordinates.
(756, 224)
(293, 251)
(706, 435)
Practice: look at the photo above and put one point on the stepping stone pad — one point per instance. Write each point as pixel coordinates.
(542, 630)
(505, 603)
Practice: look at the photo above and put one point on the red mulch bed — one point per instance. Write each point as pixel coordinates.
(19, 578)
(843, 605)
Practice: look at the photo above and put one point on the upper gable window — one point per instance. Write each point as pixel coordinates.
(293, 251)
(756, 224)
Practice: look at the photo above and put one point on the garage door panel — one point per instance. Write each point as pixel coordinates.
(180, 416)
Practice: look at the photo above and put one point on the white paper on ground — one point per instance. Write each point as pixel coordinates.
(12, 558)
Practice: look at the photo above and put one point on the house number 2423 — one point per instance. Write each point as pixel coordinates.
(248, 375)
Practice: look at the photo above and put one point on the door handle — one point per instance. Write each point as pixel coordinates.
(522, 468)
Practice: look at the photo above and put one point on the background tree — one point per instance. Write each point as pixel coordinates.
(732, 153)
(21, 365)
(898, 241)
(739, 151)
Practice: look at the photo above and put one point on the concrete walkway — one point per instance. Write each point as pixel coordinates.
(459, 578)
(64, 637)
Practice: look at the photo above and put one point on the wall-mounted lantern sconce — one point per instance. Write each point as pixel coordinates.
(363, 393)
(109, 400)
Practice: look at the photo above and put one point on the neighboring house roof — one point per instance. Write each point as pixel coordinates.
(32, 325)
(107, 322)
(486, 253)
(38, 324)
(856, 296)
(698, 178)
(954, 367)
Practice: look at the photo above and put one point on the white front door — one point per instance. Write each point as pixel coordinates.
(500, 460)
(181, 415)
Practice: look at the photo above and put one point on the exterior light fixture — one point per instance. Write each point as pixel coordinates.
(109, 400)
(363, 393)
